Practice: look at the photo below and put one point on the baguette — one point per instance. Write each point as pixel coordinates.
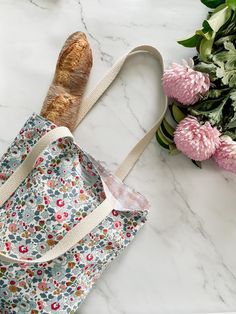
(61, 105)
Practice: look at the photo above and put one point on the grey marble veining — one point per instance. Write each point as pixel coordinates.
(183, 260)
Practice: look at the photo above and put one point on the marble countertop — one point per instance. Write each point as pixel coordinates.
(183, 260)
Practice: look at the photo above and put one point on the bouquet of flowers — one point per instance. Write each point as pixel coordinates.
(202, 92)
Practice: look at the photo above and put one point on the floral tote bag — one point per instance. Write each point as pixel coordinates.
(64, 217)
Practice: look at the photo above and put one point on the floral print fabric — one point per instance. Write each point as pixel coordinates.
(65, 185)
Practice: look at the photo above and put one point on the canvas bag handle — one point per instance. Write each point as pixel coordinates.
(87, 104)
(100, 212)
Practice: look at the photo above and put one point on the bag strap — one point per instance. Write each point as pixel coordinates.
(87, 104)
(84, 227)
(75, 234)
(99, 213)
(21, 173)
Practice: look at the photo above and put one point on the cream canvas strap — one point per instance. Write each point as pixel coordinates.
(71, 238)
(13, 182)
(87, 104)
(99, 213)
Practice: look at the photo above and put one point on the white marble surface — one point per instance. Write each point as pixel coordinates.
(184, 259)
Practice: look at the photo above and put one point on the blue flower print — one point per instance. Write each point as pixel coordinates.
(28, 215)
(25, 307)
(65, 169)
(58, 272)
(14, 163)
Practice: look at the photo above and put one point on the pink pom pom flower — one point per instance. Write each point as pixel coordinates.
(184, 84)
(195, 140)
(225, 155)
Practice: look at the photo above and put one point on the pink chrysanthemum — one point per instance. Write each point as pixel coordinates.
(195, 140)
(184, 84)
(225, 155)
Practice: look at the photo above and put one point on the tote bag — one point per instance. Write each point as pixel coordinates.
(64, 217)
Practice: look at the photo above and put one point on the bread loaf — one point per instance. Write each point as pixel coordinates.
(62, 102)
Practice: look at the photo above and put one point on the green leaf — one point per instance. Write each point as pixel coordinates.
(206, 48)
(212, 3)
(177, 114)
(190, 42)
(211, 109)
(207, 105)
(233, 95)
(218, 18)
(224, 39)
(230, 111)
(231, 4)
(204, 34)
(231, 133)
(219, 8)
(166, 133)
(204, 37)
(165, 142)
(206, 26)
(230, 29)
(229, 46)
(230, 78)
(173, 150)
(163, 138)
(226, 61)
(216, 93)
(161, 142)
(168, 128)
(209, 68)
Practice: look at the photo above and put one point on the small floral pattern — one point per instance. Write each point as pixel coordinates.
(65, 185)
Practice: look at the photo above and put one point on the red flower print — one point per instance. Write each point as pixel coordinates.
(22, 283)
(38, 161)
(114, 212)
(59, 216)
(42, 286)
(50, 183)
(86, 267)
(3, 176)
(89, 257)
(8, 246)
(46, 200)
(102, 195)
(60, 203)
(40, 305)
(12, 227)
(77, 257)
(55, 306)
(8, 205)
(23, 249)
(28, 134)
(117, 224)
